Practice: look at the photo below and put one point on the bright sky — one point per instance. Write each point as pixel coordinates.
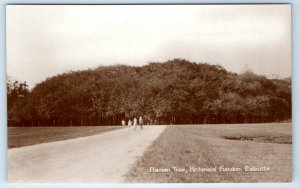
(46, 40)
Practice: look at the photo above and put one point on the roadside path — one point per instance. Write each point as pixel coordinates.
(102, 158)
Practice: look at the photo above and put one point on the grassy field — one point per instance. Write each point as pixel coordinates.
(25, 136)
(267, 147)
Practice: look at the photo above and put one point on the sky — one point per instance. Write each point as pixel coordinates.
(45, 40)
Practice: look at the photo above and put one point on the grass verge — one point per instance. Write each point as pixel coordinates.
(25, 136)
(204, 147)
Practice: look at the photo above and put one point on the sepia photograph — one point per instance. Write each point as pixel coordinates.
(195, 93)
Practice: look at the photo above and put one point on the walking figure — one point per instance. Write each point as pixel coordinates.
(129, 123)
(135, 123)
(141, 123)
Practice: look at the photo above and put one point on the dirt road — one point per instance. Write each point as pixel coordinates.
(102, 158)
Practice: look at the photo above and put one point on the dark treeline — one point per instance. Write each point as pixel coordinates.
(174, 92)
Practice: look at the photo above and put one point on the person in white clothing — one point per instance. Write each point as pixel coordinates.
(129, 123)
(135, 123)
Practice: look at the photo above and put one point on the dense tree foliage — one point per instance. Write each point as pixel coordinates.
(174, 92)
(17, 93)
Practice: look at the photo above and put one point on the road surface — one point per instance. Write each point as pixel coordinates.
(102, 158)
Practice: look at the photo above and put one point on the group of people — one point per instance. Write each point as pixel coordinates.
(135, 123)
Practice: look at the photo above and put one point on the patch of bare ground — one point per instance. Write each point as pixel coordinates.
(262, 138)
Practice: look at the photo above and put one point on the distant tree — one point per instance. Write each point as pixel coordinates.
(17, 93)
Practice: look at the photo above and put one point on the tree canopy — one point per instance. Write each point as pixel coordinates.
(173, 92)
